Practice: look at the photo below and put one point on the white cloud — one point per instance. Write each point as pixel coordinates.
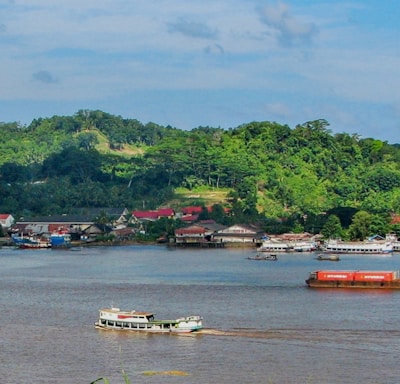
(289, 30)
(283, 55)
(193, 29)
(44, 77)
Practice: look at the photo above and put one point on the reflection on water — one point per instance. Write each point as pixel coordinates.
(262, 325)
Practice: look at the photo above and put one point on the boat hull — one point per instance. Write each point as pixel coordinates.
(354, 284)
(98, 325)
(354, 279)
(264, 258)
(30, 242)
(328, 258)
(34, 246)
(60, 240)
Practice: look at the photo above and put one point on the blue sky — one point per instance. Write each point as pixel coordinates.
(191, 63)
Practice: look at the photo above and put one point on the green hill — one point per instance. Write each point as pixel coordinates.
(262, 170)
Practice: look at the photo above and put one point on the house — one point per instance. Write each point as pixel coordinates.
(190, 218)
(79, 227)
(192, 234)
(126, 233)
(46, 224)
(293, 237)
(115, 216)
(93, 231)
(166, 212)
(145, 215)
(6, 220)
(239, 234)
(192, 210)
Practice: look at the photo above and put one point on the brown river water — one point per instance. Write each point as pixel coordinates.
(262, 324)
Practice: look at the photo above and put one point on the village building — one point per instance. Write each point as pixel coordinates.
(193, 234)
(6, 220)
(244, 234)
(152, 215)
(83, 227)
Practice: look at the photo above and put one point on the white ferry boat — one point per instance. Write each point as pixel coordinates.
(361, 247)
(275, 246)
(396, 246)
(114, 318)
(305, 246)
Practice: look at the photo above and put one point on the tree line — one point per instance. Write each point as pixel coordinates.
(283, 178)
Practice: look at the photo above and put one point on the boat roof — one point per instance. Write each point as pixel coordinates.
(132, 312)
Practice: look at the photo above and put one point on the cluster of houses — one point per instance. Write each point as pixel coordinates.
(121, 224)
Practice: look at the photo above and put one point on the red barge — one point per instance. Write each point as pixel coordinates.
(354, 279)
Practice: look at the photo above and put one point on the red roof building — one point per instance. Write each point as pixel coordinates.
(190, 218)
(6, 220)
(191, 210)
(154, 215)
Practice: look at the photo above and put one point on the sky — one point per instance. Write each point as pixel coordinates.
(188, 63)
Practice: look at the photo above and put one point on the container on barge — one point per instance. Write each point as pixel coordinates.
(354, 279)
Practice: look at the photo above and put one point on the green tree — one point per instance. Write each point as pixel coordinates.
(87, 140)
(332, 228)
(361, 226)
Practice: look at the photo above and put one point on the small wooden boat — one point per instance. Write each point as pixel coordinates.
(328, 257)
(115, 319)
(271, 257)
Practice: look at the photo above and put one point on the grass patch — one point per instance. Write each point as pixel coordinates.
(199, 196)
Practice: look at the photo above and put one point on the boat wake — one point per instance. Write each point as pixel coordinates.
(309, 335)
(251, 333)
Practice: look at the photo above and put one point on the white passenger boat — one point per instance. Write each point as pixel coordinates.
(396, 246)
(361, 247)
(114, 318)
(305, 246)
(275, 246)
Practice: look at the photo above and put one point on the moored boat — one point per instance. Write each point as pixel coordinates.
(275, 246)
(115, 319)
(328, 257)
(31, 241)
(354, 279)
(60, 239)
(396, 246)
(359, 247)
(270, 257)
(305, 246)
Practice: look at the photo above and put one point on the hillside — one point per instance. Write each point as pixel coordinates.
(263, 170)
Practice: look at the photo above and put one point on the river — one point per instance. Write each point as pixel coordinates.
(262, 324)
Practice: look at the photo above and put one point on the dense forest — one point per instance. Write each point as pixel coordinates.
(284, 178)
